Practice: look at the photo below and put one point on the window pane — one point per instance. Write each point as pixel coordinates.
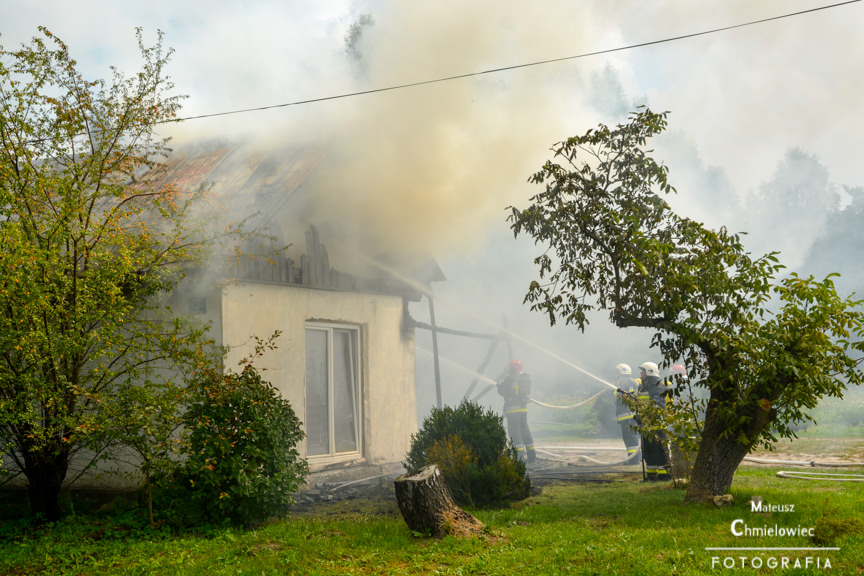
(317, 426)
(344, 386)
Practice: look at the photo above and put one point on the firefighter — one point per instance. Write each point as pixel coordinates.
(654, 453)
(515, 388)
(627, 385)
(676, 380)
(678, 376)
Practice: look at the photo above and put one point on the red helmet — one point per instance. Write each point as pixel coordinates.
(515, 366)
(679, 369)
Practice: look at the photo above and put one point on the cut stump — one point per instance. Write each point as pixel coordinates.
(428, 507)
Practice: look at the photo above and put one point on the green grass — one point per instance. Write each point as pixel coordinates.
(617, 528)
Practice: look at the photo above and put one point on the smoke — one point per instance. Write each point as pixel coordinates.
(431, 169)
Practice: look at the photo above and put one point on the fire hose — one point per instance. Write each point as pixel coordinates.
(821, 476)
(813, 475)
(626, 460)
(577, 405)
(570, 406)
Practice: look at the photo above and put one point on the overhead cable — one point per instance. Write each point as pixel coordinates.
(516, 66)
(496, 70)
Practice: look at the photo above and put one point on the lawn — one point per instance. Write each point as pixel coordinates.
(631, 528)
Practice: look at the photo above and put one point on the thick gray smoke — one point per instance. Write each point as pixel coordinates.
(764, 129)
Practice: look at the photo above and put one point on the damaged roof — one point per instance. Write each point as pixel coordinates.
(249, 178)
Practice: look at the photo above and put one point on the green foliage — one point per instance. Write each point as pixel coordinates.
(830, 528)
(616, 528)
(242, 464)
(89, 248)
(765, 349)
(678, 421)
(458, 463)
(470, 446)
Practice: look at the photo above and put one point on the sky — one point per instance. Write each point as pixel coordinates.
(433, 168)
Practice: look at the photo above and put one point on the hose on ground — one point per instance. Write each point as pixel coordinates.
(836, 477)
(628, 459)
(821, 476)
(804, 463)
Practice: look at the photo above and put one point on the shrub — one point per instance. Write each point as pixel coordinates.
(458, 463)
(242, 465)
(470, 446)
(829, 528)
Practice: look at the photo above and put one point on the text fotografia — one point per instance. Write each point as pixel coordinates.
(770, 562)
(772, 558)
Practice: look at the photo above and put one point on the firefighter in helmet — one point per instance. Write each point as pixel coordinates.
(515, 388)
(654, 452)
(627, 385)
(678, 375)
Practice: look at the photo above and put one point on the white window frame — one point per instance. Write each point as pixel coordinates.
(356, 340)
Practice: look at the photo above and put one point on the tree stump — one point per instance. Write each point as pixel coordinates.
(428, 507)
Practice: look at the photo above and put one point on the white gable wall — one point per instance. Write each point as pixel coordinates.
(386, 354)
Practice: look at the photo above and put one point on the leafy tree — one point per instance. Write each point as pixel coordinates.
(88, 249)
(607, 95)
(766, 349)
(147, 418)
(840, 242)
(800, 197)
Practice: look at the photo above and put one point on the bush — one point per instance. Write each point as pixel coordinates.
(471, 448)
(242, 465)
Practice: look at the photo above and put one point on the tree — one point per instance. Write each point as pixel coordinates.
(88, 250)
(839, 242)
(800, 197)
(766, 349)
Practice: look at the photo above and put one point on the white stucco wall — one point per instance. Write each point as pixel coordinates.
(386, 361)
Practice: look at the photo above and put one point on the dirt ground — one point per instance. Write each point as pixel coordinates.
(596, 460)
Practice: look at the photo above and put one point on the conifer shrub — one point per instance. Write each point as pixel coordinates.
(830, 528)
(471, 448)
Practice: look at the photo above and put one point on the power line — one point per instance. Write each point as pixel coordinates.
(517, 66)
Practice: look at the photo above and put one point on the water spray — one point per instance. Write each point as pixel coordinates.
(425, 290)
(459, 366)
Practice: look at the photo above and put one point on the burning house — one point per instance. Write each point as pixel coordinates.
(345, 356)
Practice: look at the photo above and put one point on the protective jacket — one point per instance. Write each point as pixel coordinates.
(654, 389)
(516, 391)
(654, 450)
(626, 417)
(630, 386)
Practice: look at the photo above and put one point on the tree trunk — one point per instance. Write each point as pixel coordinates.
(720, 454)
(428, 507)
(45, 470)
